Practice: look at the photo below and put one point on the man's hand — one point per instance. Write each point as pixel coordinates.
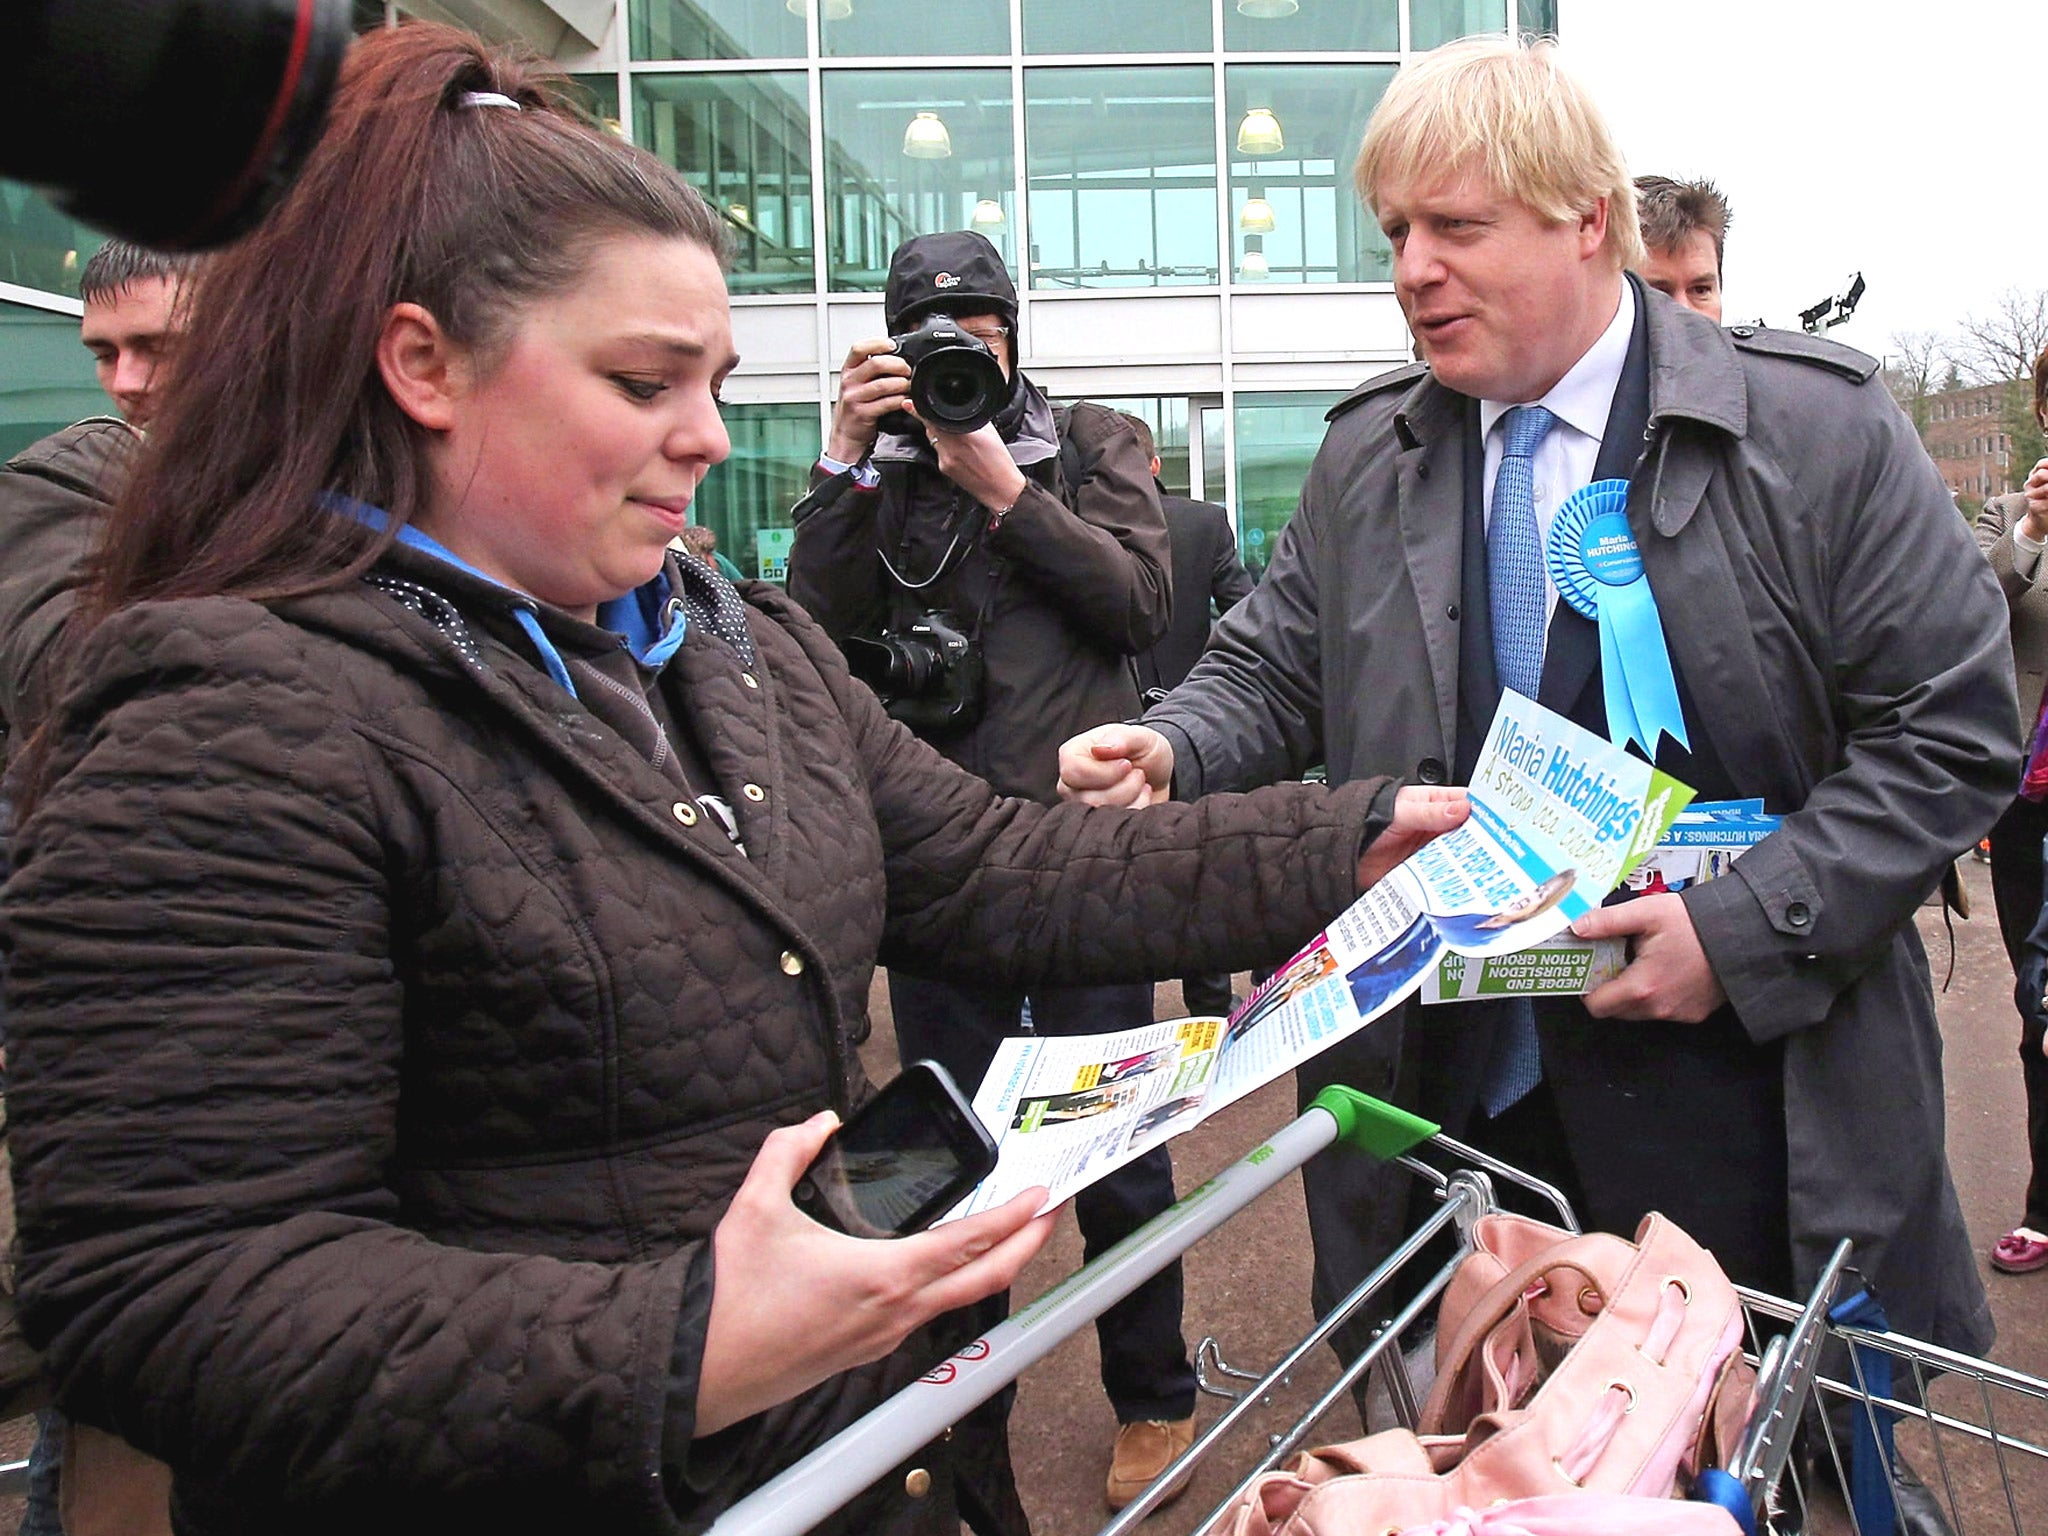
(872, 382)
(2034, 521)
(1420, 813)
(1117, 765)
(979, 463)
(1667, 977)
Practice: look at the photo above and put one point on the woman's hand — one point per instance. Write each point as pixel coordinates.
(794, 1303)
(1421, 812)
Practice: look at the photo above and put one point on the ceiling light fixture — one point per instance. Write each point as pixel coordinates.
(1253, 268)
(835, 10)
(1267, 10)
(988, 214)
(1259, 133)
(1256, 216)
(926, 138)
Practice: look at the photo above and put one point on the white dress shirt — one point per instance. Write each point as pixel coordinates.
(1580, 401)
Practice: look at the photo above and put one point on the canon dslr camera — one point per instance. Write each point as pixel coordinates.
(955, 381)
(927, 673)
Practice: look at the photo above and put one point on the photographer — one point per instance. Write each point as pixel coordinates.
(993, 585)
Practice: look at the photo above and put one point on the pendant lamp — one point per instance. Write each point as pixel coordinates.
(1256, 216)
(988, 214)
(1259, 133)
(1267, 10)
(926, 138)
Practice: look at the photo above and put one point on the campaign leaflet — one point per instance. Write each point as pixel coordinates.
(1559, 816)
(1703, 843)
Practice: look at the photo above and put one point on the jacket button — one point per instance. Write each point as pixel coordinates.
(792, 963)
(1744, 331)
(1430, 770)
(750, 680)
(754, 792)
(1451, 613)
(1798, 914)
(918, 1483)
(684, 812)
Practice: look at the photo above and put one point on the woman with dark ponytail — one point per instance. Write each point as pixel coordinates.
(441, 917)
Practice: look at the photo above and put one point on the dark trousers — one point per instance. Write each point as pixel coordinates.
(1207, 994)
(2017, 854)
(1145, 1369)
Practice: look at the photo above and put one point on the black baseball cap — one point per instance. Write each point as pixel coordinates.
(958, 272)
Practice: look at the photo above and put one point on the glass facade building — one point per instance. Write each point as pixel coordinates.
(1170, 182)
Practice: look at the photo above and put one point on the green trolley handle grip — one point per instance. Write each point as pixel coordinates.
(1372, 1125)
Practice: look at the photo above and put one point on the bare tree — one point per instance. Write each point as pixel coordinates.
(2004, 344)
(1913, 369)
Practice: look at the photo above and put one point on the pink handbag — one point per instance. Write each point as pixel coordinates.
(1565, 1365)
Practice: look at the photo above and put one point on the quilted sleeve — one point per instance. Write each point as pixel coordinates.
(204, 1037)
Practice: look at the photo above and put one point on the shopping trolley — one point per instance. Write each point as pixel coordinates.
(1834, 1385)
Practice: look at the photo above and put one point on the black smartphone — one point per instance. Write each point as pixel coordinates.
(904, 1159)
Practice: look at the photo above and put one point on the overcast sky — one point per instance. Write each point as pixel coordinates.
(1907, 141)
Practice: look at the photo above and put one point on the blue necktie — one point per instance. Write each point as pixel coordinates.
(1518, 600)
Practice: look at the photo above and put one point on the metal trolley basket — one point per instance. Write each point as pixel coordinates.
(1841, 1400)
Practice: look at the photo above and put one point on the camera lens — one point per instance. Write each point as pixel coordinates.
(172, 123)
(958, 388)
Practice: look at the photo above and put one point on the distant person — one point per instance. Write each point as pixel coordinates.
(54, 499)
(703, 543)
(1208, 580)
(2012, 530)
(1685, 231)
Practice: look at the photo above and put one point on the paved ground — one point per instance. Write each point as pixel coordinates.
(1248, 1285)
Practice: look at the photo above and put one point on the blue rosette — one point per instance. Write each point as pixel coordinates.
(1595, 565)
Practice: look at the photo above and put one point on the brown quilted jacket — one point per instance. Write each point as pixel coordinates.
(385, 1046)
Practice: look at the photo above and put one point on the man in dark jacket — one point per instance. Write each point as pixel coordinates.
(1208, 580)
(1039, 539)
(54, 499)
(1839, 649)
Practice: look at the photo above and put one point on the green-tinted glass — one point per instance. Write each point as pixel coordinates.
(1277, 438)
(744, 141)
(1123, 176)
(894, 29)
(599, 96)
(1167, 416)
(717, 29)
(1432, 23)
(1306, 26)
(746, 500)
(366, 15)
(879, 192)
(40, 247)
(1088, 26)
(46, 379)
(1538, 16)
(1294, 206)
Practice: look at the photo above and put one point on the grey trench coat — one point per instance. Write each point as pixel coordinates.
(1845, 645)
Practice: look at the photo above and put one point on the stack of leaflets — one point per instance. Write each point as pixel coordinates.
(1559, 817)
(1707, 837)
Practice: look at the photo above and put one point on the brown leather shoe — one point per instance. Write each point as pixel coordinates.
(1143, 1451)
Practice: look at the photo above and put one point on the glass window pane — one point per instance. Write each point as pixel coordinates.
(1434, 22)
(1123, 177)
(1087, 26)
(1277, 438)
(40, 247)
(895, 28)
(1538, 16)
(46, 380)
(1276, 26)
(599, 96)
(746, 500)
(1294, 215)
(717, 29)
(879, 193)
(744, 141)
